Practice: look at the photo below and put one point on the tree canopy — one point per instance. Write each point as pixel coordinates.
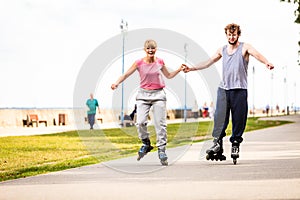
(297, 11)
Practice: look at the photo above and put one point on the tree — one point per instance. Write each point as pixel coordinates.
(297, 11)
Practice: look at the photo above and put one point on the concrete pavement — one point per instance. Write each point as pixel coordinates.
(268, 168)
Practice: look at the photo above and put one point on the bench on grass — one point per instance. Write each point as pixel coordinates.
(33, 118)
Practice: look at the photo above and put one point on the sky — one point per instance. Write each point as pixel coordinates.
(44, 43)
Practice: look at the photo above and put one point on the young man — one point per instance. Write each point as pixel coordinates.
(92, 104)
(232, 92)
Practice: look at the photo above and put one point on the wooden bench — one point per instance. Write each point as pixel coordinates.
(100, 119)
(33, 118)
(62, 119)
(96, 119)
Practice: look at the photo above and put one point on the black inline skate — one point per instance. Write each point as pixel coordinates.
(216, 151)
(235, 149)
(145, 148)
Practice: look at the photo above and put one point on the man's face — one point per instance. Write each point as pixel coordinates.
(232, 37)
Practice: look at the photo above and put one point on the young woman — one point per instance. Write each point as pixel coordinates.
(151, 94)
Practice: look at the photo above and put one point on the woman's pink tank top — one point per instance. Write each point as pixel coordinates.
(150, 74)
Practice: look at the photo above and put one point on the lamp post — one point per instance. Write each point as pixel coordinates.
(271, 106)
(253, 107)
(185, 60)
(285, 91)
(124, 28)
(295, 104)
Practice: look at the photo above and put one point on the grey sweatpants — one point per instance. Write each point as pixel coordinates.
(156, 99)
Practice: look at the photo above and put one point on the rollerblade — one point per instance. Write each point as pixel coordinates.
(163, 156)
(145, 148)
(235, 149)
(216, 151)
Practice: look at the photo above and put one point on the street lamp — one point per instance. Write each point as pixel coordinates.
(285, 91)
(124, 28)
(271, 106)
(185, 60)
(295, 104)
(253, 92)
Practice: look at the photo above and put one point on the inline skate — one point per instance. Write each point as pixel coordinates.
(145, 148)
(163, 156)
(216, 151)
(235, 149)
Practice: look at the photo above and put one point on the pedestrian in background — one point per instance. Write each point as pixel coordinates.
(92, 104)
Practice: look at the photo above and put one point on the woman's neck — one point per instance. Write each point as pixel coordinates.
(149, 59)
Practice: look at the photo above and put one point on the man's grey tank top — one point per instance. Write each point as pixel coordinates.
(235, 69)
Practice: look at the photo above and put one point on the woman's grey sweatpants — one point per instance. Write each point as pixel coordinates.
(156, 99)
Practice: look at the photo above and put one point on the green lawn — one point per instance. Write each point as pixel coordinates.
(22, 156)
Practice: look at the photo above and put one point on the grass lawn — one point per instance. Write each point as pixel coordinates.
(22, 156)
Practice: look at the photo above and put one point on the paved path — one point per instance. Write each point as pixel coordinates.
(269, 168)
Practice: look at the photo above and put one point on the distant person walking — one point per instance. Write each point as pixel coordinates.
(267, 109)
(151, 94)
(211, 110)
(133, 113)
(92, 104)
(232, 92)
(195, 110)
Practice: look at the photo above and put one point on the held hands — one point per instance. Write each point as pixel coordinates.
(185, 68)
(182, 67)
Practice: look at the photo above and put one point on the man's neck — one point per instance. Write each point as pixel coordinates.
(234, 46)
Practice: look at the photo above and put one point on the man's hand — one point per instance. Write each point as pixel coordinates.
(270, 66)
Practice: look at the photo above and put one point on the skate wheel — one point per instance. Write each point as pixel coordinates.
(234, 161)
(165, 163)
(207, 157)
(140, 156)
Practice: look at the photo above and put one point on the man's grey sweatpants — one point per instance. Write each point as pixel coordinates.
(156, 99)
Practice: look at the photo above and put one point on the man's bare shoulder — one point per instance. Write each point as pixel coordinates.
(217, 55)
(246, 48)
(220, 50)
(247, 45)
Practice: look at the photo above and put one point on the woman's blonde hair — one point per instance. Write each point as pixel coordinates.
(150, 43)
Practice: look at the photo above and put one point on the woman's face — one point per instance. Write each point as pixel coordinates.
(150, 51)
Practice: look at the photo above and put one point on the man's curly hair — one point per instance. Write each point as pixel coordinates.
(232, 28)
